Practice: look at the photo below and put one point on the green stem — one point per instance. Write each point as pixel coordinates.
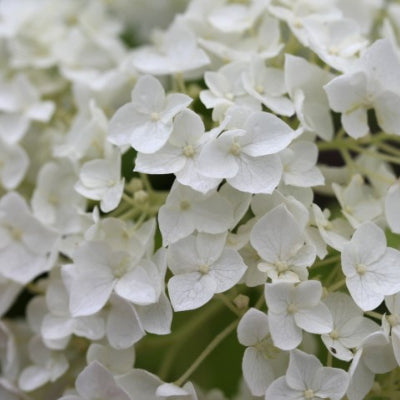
(229, 304)
(207, 351)
(337, 285)
(326, 261)
(374, 315)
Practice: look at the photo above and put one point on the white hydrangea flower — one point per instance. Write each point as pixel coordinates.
(292, 309)
(392, 322)
(358, 201)
(374, 83)
(236, 17)
(264, 40)
(47, 366)
(96, 382)
(118, 362)
(14, 164)
(336, 41)
(280, 242)
(202, 266)
(146, 122)
(123, 327)
(180, 154)
(58, 325)
(374, 356)
(27, 248)
(392, 207)
(187, 210)
(246, 157)
(225, 89)
(55, 201)
(336, 232)
(299, 165)
(175, 52)
(19, 105)
(294, 13)
(9, 291)
(97, 271)
(101, 180)
(350, 328)
(267, 85)
(307, 379)
(262, 361)
(371, 268)
(304, 83)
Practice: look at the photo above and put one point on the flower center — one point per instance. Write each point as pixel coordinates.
(188, 151)
(281, 266)
(121, 268)
(260, 89)
(15, 233)
(308, 394)
(235, 148)
(333, 50)
(361, 269)
(266, 347)
(229, 96)
(184, 205)
(291, 309)
(204, 269)
(334, 334)
(53, 199)
(154, 116)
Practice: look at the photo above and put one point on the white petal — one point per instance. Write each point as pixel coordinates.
(364, 297)
(33, 377)
(302, 370)
(355, 123)
(257, 371)
(190, 291)
(169, 159)
(156, 318)
(148, 95)
(392, 207)
(123, 326)
(138, 285)
(279, 390)
(216, 161)
(97, 382)
(90, 288)
(361, 380)
(140, 384)
(386, 106)
(347, 91)
(253, 327)
(315, 320)
(257, 174)
(227, 270)
(183, 256)
(276, 235)
(266, 134)
(334, 383)
(285, 333)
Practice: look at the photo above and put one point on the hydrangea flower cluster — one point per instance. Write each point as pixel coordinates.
(274, 231)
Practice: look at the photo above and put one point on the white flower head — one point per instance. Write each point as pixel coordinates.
(307, 379)
(280, 242)
(262, 361)
(372, 270)
(202, 266)
(146, 122)
(294, 308)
